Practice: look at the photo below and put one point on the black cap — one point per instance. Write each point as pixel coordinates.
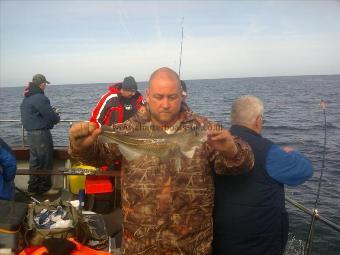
(39, 78)
(129, 83)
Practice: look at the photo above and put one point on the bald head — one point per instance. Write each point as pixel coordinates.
(162, 75)
(246, 110)
(164, 96)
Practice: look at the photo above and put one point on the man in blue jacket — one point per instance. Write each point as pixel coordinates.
(38, 117)
(250, 215)
(8, 168)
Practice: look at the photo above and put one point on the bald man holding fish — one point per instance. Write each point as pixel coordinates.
(170, 155)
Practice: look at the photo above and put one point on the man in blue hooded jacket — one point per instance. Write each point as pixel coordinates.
(8, 168)
(250, 217)
(38, 117)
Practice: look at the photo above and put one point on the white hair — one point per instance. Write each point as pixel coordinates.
(245, 110)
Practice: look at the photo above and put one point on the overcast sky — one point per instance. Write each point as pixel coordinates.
(103, 41)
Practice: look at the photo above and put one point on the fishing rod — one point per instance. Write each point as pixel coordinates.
(28, 196)
(180, 55)
(308, 245)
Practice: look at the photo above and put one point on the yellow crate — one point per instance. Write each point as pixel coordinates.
(77, 182)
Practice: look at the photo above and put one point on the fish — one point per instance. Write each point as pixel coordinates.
(154, 142)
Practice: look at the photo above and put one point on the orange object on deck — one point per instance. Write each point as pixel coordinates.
(79, 250)
(98, 184)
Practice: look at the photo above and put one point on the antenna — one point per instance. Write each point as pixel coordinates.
(180, 55)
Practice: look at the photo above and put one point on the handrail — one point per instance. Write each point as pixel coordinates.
(23, 130)
(311, 213)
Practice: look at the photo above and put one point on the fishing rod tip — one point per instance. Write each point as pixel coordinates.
(322, 104)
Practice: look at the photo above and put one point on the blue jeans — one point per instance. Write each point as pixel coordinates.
(41, 158)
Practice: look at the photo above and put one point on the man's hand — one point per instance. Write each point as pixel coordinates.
(221, 140)
(287, 149)
(83, 134)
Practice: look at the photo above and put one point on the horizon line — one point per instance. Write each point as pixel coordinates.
(247, 77)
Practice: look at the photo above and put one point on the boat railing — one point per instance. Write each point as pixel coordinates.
(296, 246)
(70, 121)
(312, 213)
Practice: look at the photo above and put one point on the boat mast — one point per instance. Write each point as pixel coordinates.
(180, 55)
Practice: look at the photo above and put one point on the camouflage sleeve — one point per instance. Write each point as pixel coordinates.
(98, 155)
(103, 153)
(242, 162)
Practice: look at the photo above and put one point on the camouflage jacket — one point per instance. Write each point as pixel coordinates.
(167, 210)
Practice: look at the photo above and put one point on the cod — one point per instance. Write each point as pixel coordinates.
(154, 142)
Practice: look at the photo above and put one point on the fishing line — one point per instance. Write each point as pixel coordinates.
(180, 55)
(308, 246)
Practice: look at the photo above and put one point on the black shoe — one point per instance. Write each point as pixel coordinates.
(32, 190)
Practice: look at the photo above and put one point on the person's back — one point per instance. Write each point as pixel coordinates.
(8, 169)
(36, 110)
(249, 214)
(38, 117)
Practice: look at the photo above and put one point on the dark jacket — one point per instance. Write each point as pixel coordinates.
(8, 168)
(36, 110)
(250, 215)
(113, 108)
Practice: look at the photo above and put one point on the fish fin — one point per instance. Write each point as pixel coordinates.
(178, 164)
(189, 153)
(129, 153)
(104, 139)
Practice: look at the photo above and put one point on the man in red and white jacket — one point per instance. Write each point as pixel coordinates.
(119, 104)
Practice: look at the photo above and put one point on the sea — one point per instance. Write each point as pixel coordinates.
(293, 117)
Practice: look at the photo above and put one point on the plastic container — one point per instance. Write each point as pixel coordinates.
(81, 199)
(98, 184)
(77, 182)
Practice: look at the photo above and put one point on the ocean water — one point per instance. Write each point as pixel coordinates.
(293, 118)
